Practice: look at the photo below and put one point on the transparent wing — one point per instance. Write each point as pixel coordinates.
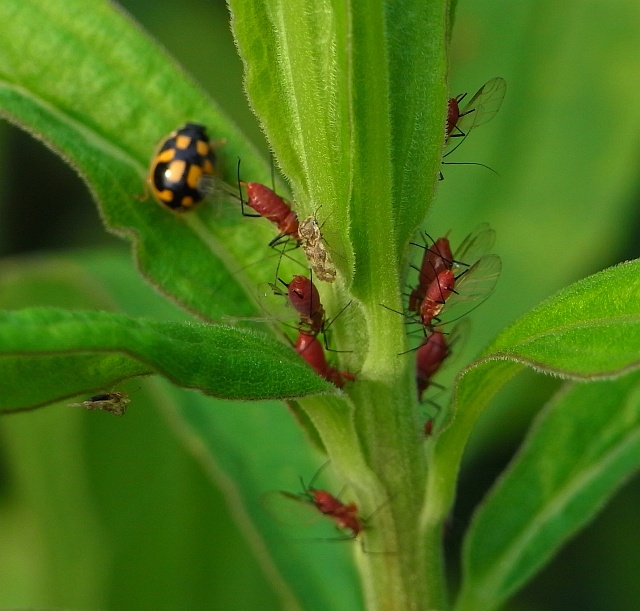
(289, 509)
(457, 340)
(273, 304)
(472, 287)
(480, 109)
(475, 246)
(484, 105)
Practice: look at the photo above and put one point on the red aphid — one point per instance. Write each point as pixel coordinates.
(453, 113)
(428, 427)
(480, 109)
(345, 516)
(470, 273)
(436, 259)
(311, 350)
(270, 205)
(305, 299)
(429, 358)
(440, 289)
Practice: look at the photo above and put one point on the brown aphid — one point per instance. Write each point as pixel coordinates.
(114, 402)
(314, 248)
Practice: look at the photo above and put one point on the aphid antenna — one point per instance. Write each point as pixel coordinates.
(430, 328)
(313, 480)
(410, 350)
(436, 252)
(281, 239)
(396, 311)
(482, 165)
(240, 194)
(264, 258)
(410, 318)
(283, 252)
(325, 328)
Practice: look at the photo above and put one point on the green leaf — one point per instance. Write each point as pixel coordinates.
(95, 502)
(222, 361)
(591, 329)
(252, 452)
(115, 95)
(569, 334)
(580, 450)
(248, 451)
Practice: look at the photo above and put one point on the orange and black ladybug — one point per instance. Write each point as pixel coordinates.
(182, 169)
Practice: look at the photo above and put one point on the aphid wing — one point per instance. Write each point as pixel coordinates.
(472, 288)
(274, 304)
(457, 341)
(484, 105)
(477, 244)
(480, 109)
(481, 278)
(290, 509)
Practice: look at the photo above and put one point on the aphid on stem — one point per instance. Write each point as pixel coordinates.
(462, 280)
(268, 204)
(345, 516)
(305, 233)
(437, 258)
(430, 356)
(310, 349)
(480, 109)
(314, 248)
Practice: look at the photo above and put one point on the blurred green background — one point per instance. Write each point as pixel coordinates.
(566, 147)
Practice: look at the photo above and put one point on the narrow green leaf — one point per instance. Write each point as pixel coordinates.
(418, 101)
(248, 450)
(114, 96)
(571, 334)
(581, 449)
(590, 329)
(297, 80)
(221, 361)
(252, 452)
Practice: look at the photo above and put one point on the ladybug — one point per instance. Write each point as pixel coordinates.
(182, 167)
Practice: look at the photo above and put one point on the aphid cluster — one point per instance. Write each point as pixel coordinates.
(448, 284)
(306, 233)
(181, 175)
(304, 298)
